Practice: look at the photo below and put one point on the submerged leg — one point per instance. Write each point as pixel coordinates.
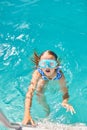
(41, 97)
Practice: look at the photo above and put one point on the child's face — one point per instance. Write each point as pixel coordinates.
(48, 71)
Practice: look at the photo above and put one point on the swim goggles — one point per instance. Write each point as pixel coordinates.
(48, 64)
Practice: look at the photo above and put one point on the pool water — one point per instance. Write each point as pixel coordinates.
(35, 25)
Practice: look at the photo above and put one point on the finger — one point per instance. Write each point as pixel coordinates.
(71, 108)
(24, 122)
(32, 123)
(67, 109)
(72, 111)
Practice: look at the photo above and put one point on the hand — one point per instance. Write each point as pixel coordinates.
(28, 119)
(68, 107)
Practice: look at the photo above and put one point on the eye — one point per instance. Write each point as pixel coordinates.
(43, 64)
(52, 64)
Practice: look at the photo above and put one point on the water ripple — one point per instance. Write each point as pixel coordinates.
(83, 92)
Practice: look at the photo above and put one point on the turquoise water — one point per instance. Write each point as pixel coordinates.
(29, 25)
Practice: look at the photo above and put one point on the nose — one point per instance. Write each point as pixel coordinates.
(47, 66)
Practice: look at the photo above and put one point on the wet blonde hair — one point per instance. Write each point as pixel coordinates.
(36, 57)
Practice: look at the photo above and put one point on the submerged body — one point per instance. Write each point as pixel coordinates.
(47, 69)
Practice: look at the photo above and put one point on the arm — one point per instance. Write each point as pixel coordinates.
(64, 89)
(28, 100)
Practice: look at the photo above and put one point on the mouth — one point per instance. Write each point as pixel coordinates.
(47, 70)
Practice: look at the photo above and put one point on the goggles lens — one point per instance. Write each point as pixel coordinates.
(48, 64)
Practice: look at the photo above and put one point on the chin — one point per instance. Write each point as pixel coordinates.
(48, 74)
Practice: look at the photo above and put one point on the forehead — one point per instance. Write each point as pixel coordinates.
(47, 56)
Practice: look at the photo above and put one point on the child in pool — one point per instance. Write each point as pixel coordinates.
(48, 68)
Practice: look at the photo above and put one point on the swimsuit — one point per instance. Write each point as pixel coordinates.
(44, 77)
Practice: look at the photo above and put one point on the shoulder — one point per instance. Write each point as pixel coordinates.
(35, 77)
(36, 74)
(62, 75)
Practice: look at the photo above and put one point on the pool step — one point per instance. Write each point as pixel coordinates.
(40, 126)
(58, 128)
